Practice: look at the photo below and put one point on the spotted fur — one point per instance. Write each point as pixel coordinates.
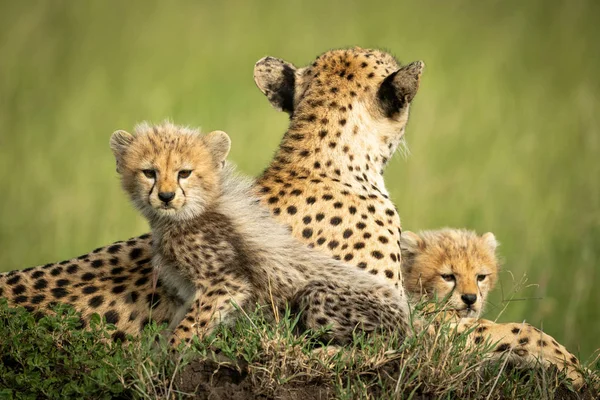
(348, 114)
(453, 266)
(216, 248)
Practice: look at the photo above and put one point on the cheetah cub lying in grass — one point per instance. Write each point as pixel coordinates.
(216, 248)
(456, 267)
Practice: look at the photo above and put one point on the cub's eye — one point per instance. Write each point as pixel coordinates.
(448, 277)
(481, 278)
(184, 173)
(149, 173)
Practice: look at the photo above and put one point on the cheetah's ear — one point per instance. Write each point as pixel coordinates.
(490, 240)
(219, 144)
(119, 142)
(399, 88)
(411, 243)
(276, 78)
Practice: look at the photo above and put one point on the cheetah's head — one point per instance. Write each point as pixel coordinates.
(353, 91)
(453, 265)
(170, 172)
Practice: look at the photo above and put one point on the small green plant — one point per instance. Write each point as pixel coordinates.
(50, 356)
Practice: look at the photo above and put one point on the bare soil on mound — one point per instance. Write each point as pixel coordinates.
(214, 380)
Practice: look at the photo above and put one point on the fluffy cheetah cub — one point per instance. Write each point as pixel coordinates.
(215, 247)
(455, 266)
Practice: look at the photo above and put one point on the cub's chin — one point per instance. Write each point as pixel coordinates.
(165, 212)
(468, 313)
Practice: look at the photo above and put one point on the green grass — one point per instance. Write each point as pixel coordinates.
(504, 134)
(51, 357)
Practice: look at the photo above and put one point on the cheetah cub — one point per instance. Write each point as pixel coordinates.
(456, 266)
(216, 249)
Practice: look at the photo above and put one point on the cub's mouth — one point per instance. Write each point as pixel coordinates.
(467, 312)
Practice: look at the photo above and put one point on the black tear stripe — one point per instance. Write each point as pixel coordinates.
(151, 189)
(389, 101)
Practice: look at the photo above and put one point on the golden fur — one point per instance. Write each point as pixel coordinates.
(455, 266)
(348, 112)
(215, 247)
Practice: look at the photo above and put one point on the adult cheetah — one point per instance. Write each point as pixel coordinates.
(348, 111)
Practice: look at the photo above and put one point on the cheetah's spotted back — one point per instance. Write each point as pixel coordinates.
(349, 111)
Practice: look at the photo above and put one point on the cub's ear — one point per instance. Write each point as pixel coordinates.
(490, 240)
(276, 78)
(219, 144)
(119, 143)
(399, 88)
(411, 243)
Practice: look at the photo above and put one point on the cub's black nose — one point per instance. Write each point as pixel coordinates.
(166, 196)
(469, 299)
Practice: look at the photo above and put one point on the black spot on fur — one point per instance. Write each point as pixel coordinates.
(118, 336)
(292, 210)
(90, 289)
(573, 359)
(40, 284)
(96, 301)
(112, 317)
(73, 268)
(37, 299)
(37, 274)
(118, 289)
(335, 221)
(59, 292)
(503, 347)
(114, 248)
(88, 276)
(135, 253)
(142, 281)
(307, 233)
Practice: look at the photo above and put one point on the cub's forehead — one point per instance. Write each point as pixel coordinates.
(161, 142)
(166, 147)
(457, 245)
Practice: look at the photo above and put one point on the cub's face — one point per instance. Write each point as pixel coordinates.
(169, 171)
(455, 266)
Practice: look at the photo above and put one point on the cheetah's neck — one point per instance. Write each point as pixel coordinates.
(348, 145)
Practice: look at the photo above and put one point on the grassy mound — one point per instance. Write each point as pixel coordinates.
(51, 357)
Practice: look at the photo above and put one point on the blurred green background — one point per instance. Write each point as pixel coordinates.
(504, 134)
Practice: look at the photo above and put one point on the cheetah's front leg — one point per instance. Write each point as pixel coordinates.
(207, 310)
(524, 345)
